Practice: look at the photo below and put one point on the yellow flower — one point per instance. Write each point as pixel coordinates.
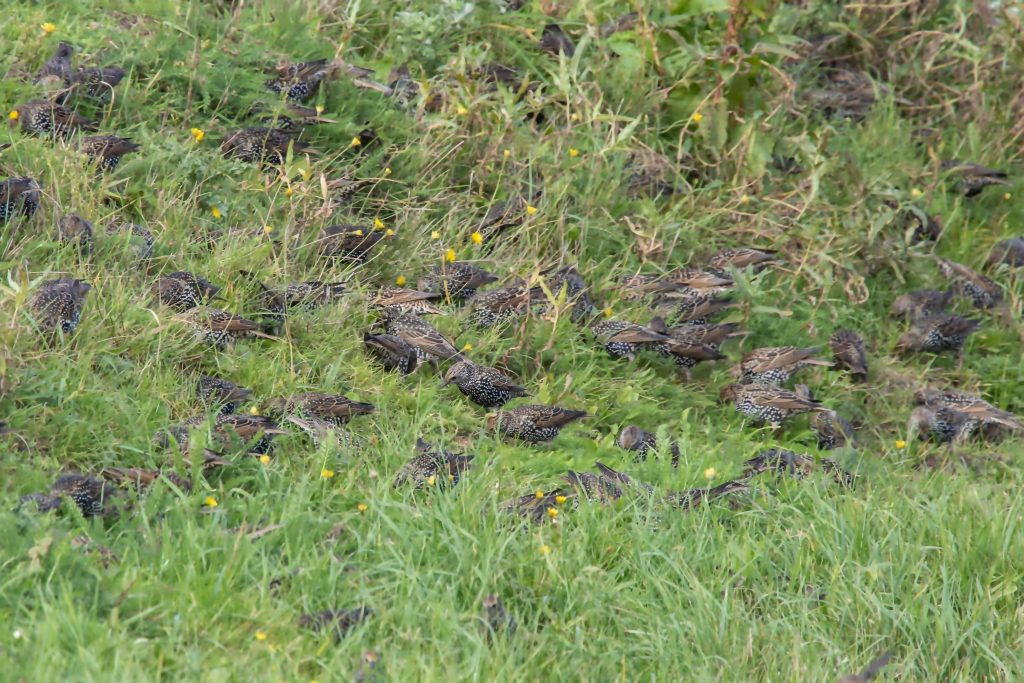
(900, 443)
(1006, 196)
(362, 507)
(400, 281)
(552, 512)
(560, 500)
(545, 549)
(539, 494)
(710, 473)
(607, 312)
(506, 153)
(48, 27)
(254, 410)
(477, 237)
(288, 192)
(435, 235)
(574, 117)
(530, 209)
(264, 459)
(389, 232)
(261, 635)
(13, 116)
(307, 173)
(449, 256)
(216, 212)
(573, 152)
(916, 192)
(268, 229)
(211, 502)
(357, 233)
(431, 480)
(198, 134)
(355, 142)
(319, 109)
(697, 117)
(467, 347)
(745, 199)
(461, 111)
(387, 171)
(378, 224)
(326, 473)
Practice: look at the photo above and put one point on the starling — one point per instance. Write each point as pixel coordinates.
(920, 304)
(554, 41)
(775, 365)
(224, 428)
(636, 440)
(283, 120)
(569, 279)
(937, 333)
(536, 508)
(98, 81)
(455, 281)
(58, 304)
(694, 306)
(627, 22)
(594, 487)
(977, 408)
(142, 479)
(508, 214)
(220, 393)
(694, 278)
(690, 344)
(44, 118)
(266, 146)
(688, 500)
(430, 344)
(299, 81)
(107, 150)
(19, 194)
(767, 402)
(88, 494)
(220, 328)
(484, 386)
(533, 423)
(848, 353)
(496, 619)
(58, 67)
(741, 258)
(397, 300)
(312, 294)
(432, 467)
(973, 178)
(333, 409)
(1009, 252)
(139, 237)
(500, 305)
(832, 429)
(349, 242)
(925, 227)
(983, 292)
(843, 93)
(77, 231)
(392, 352)
(794, 464)
(871, 671)
(182, 290)
(941, 424)
(339, 621)
(623, 339)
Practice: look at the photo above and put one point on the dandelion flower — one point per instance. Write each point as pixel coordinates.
(1006, 196)
(48, 28)
(198, 134)
(545, 549)
(216, 212)
(400, 281)
(745, 199)
(697, 117)
(355, 142)
(254, 410)
(264, 459)
(389, 232)
(560, 500)
(916, 193)
(435, 235)
(288, 192)
(326, 473)
(461, 111)
(449, 255)
(539, 494)
(901, 444)
(357, 233)
(268, 229)
(378, 224)
(530, 209)
(710, 473)
(506, 153)
(387, 171)
(477, 237)
(607, 312)
(261, 635)
(431, 480)
(211, 502)
(13, 116)
(362, 507)
(552, 512)
(467, 347)
(319, 109)
(574, 116)
(573, 152)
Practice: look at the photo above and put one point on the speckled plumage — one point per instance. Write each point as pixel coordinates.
(338, 621)
(220, 393)
(980, 290)
(533, 423)
(455, 281)
(18, 195)
(334, 409)
(298, 81)
(920, 304)
(397, 300)
(688, 500)
(90, 495)
(636, 440)
(58, 67)
(622, 339)
(798, 465)
(974, 406)
(848, 353)
(535, 507)
(832, 430)
(57, 304)
(576, 291)
(76, 231)
(45, 118)
(392, 352)
(97, 82)
(182, 290)
(743, 257)
(972, 178)
(484, 386)
(224, 429)
(694, 305)
(937, 333)
(430, 344)
(432, 467)
(266, 146)
(942, 424)
(219, 328)
(767, 402)
(776, 364)
(350, 242)
(106, 150)
(500, 305)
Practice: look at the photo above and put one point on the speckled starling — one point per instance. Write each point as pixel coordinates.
(58, 67)
(496, 619)
(1008, 252)
(974, 406)
(741, 258)
(106, 150)
(91, 496)
(18, 195)
(920, 304)
(832, 429)
(41, 117)
(576, 291)
(694, 306)
(266, 146)
(97, 81)
(182, 290)
(533, 423)
(337, 621)
(503, 216)
(607, 485)
(871, 671)
(394, 353)
(430, 344)
(623, 339)
(142, 479)
(455, 281)
(767, 402)
(350, 242)
(299, 81)
(484, 386)
(972, 178)
(688, 351)
(776, 364)
(798, 465)
(980, 290)
(75, 230)
(432, 467)
(219, 328)
(936, 334)
(224, 428)
(941, 424)
(554, 41)
(57, 304)
(401, 300)
(501, 305)
(641, 442)
(334, 409)
(688, 500)
(848, 353)
(694, 278)
(536, 507)
(140, 239)
(214, 392)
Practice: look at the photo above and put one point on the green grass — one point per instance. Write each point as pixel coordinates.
(804, 580)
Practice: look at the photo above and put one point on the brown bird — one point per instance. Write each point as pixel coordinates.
(57, 304)
(568, 278)
(694, 278)
(554, 41)
(75, 230)
(832, 429)
(338, 621)
(484, 386)
(741, 258)
(797, 465)
(539, 507)
(58, 67)
(106, 150)
(398, 300)
(220, 328)
(432, 467)
(607, 485)
(501, 305)
(298, 81)
(871, 671)
(48, 119)
(936, 334)
(502, 216)
(920, 304)
(982, 292)
(975, 407)
(182, 290)
(394, 353)
(455, 281)
(532, 423)
(1009, 252)
(941, 424)
(973, 178)
(349, 242)
(641, 442)
(622, 339)
(139, 239)
(776, 364)
(266, 146)
(91, 496)
(142, 479)
(97, 82)
(333, 409)
(688, 500)
(496, 619)
(224, 429)
(220, 393)
(430, 344)
(768, 403)
(19, 194)
(848, 353)
(694, 305)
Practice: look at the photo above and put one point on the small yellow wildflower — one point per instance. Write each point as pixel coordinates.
(378, 224)
(745, 199)
(916, 193)
(326, 473)
(268, 229)
(477, 237)
(389, 232)
(901, 444)
(607, 312)
(545, 549)
(211, 502)
(261, 635)
(307, 173)
(355, 142)
(435, 235)
(506, 153)
(198, 134)
(357, 233)
(319, 109)
(530, 209)
(560, 500)
(216, 212)
(574, 117)
(264, 459)
(710, 473)
(13, 116)
(697, 117)
(362, 507)
(467, 347)
(48, 28)
(461, 111)
(254, 410)
(400, 281)
(387, 171)
(573, 152)
(552, 512)
(449, 256)
(539, 494)
(1006, 196)
(431, 480)
(288, 192)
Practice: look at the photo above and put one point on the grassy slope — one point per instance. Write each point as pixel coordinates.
(926, 561)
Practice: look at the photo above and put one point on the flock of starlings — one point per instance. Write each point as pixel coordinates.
(683, 305)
